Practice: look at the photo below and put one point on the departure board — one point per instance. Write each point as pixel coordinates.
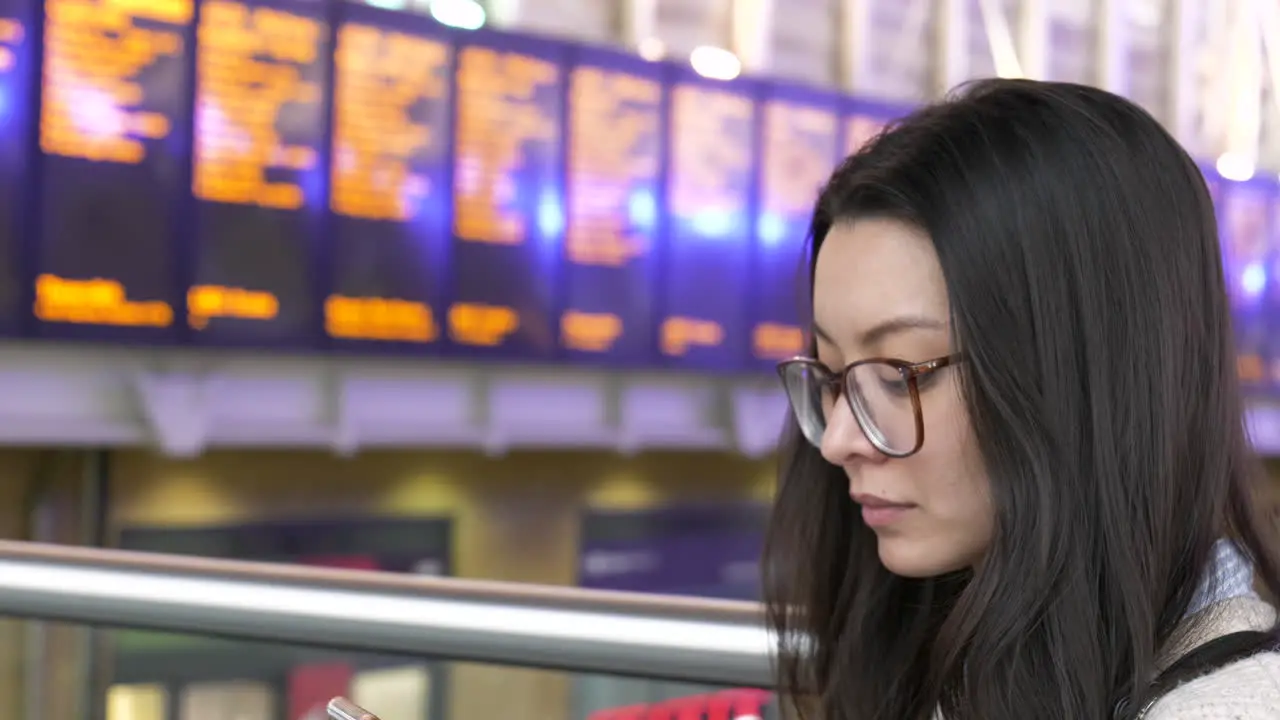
(799, 148)
(707, 264)
(329, 175)
(507, 198)
(259, 175)
(613, 185)
(17, 18)
(112, 121)
(389, 183)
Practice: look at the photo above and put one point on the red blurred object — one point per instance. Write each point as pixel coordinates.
(723, 705)
(311, 687)
(346, 562)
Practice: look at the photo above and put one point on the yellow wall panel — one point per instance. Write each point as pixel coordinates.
(17, 469)
(515, 517)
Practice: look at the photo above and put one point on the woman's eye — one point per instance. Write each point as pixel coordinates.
(927, 379)
(895, 386)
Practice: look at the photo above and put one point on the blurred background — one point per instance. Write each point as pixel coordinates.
(484, 289)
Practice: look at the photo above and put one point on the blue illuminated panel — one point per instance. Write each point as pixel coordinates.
(258, 174)
(1245, 218)
(390, 181)
(1269, 305)
(113, 118)
(16, 56)
(1246, 229)
(698, 550)
(613, 185)
(706, 273)
(799, 148)
(508, 213)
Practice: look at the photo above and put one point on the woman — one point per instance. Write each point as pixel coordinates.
(1018, 485)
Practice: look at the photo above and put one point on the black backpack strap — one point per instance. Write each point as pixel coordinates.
(1203, 660)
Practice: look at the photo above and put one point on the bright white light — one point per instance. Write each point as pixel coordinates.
(651, 49)
(95, 113)
(771, 228)
(387, 4)
(1235, 166)
(1253, 280)
(715, 63)
(1145, 13)
(1004, 50)
(461, 14)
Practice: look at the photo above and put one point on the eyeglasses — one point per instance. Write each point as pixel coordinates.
(883, 394)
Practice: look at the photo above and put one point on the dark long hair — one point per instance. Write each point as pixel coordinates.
(1081, 256)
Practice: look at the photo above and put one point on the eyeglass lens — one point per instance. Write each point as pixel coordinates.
(879, 397)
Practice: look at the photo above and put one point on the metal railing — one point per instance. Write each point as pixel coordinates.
(702, 641)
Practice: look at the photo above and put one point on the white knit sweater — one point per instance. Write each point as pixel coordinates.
(1245, 690)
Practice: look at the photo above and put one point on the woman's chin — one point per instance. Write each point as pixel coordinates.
(914, 558)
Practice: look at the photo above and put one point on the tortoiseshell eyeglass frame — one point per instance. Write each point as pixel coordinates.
(839, 382)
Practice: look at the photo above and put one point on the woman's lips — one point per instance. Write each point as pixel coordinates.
(879, 512)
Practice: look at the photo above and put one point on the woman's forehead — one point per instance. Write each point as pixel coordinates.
(871, 272)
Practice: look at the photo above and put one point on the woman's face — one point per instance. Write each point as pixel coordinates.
(879, 292)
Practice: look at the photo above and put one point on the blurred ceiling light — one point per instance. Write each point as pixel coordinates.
(387, 4)
(1004, 50)
(651, 49)
(1235, 166)
(715, 63)
(1146, 14)
(461, 14)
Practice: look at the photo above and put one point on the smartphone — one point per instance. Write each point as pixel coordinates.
(341, 708)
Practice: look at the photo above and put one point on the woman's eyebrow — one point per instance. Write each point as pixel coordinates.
(885, 328)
